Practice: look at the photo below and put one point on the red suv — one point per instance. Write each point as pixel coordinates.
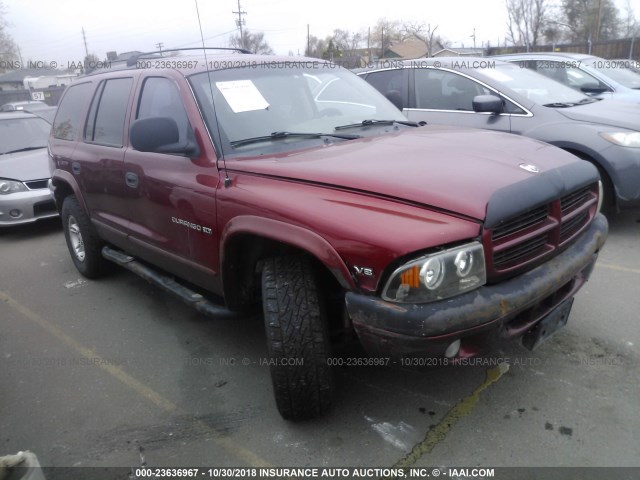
(292, 183)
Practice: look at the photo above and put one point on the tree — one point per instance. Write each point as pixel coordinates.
(384, 34)
(316, 47)
(631, 25)
(422, 32)
(589, 20)
(8, 48)
(346, 42)
(254, 42)
(526, 22)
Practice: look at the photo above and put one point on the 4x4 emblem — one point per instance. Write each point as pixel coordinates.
(529, 167)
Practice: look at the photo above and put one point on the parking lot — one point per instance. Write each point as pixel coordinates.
(116, 373)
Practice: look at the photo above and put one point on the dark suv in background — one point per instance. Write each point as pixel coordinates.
(292, 184)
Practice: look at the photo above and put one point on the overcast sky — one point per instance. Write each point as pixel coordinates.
(52, 30)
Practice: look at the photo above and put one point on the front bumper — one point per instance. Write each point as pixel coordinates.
(508, 309)
(26, 207)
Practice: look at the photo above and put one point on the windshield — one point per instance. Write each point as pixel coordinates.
(534, 86)
(617, 71)
(23, 134)
(259, 101)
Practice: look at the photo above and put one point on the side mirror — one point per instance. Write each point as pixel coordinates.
(593, 88)
(487, 103)
(160, 135)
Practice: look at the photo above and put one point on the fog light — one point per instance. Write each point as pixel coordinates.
(15, 213)
(453, 349)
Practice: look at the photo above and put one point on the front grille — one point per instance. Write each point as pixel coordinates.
(526, 220)
(523, 241)
(37, 184)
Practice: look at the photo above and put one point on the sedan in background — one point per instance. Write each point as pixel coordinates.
(490, 94)
(24, 169)
(594, 76)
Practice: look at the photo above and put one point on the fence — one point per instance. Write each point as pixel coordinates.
(610, 49)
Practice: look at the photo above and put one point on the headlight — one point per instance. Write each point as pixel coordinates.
(624, 139)
(438, 276)
(11, 186)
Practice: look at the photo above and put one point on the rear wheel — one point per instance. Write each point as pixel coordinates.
(83, 242)
(297, 337)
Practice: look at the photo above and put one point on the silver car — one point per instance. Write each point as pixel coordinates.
(494, 95)
(24, 169)
(594, 76)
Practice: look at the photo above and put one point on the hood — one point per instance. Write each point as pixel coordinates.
(25, 166)
(606, 112)
(453, 169)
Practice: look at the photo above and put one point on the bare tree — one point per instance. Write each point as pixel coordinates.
(384, 34)
(423, 32)
(527, 20)
(254, 42)
(316, 47)
(8, 48)
(346, 42)
(631, 25)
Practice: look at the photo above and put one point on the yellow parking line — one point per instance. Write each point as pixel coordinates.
(617, 267)
(140, 388)
(463, 408)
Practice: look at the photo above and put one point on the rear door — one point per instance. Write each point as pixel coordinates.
(99, 156)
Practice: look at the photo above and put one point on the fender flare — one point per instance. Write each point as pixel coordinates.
(289, 234)
(66, 177)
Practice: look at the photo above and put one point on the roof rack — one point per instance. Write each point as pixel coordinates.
(132, 60)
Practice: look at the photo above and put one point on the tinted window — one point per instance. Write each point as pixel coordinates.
(567, 75)
(160, 98)
(68, 118)
(440, 90)
(105, 124)
(392, 84)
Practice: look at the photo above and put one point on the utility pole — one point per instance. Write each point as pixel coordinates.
(240, 21)
(474, 38)
(382, 41)
(308, 53)
(159, 46)
(84, 37)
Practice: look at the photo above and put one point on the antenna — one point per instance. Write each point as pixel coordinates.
(227, 180)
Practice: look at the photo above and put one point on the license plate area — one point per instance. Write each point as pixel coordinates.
(549, 325)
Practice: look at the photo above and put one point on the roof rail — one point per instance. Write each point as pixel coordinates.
(132, 60)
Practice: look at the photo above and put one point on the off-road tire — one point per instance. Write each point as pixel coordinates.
(80, 234)
(297, 338)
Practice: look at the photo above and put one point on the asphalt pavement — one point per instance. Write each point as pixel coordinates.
(113, 372)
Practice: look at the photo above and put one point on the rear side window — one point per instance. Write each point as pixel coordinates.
(68, 118)
(105, 124)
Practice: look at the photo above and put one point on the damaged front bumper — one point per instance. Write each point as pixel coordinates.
(509, 309)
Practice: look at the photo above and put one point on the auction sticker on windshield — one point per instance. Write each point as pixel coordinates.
(242, 95)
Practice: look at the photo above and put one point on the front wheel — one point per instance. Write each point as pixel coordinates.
(82, 240)
(298, 338)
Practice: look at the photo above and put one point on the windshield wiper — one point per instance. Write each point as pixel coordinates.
(282, 135)
(25, 149)
(366, 123)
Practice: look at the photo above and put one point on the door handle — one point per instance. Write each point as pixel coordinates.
(131, 179)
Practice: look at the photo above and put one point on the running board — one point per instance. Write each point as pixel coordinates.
(168, 284)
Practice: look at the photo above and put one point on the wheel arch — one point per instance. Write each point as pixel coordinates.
(246, 240)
